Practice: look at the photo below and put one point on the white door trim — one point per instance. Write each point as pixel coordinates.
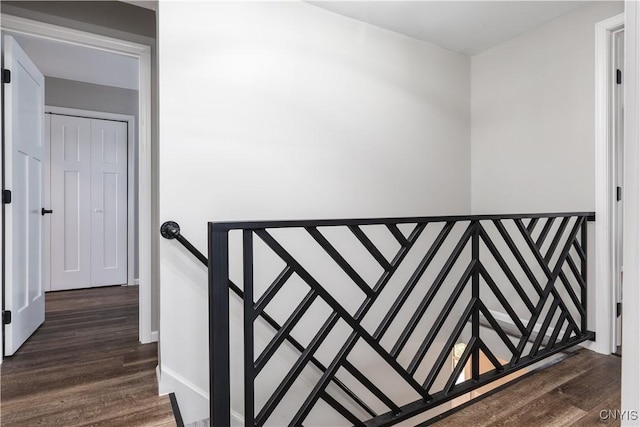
(131, 230)
(88, 113)
(143, 54)
(631, 296)
(604, 289)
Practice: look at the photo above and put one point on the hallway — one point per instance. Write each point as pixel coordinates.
(85, 366)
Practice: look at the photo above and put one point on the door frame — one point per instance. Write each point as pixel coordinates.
(142, 53)
(604, 292)
(131, 166)
(631, 298)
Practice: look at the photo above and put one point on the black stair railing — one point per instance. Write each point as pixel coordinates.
(171, 230)
(449, 276)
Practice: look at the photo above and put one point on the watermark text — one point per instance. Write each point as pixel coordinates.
(617, 414)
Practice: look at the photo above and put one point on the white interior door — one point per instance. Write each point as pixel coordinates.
(24, 164)
(70, 202)
(108, 203)
(89, 200)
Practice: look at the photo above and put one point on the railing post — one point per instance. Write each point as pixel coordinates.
(219, 381)
(475, 295)
(248, 316)
(583, 271)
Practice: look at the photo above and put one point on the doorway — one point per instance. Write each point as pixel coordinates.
(141, 54)
(606, 292)
(91, 186)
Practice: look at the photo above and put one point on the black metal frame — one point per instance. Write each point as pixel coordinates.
(171, 230)
(475, 234)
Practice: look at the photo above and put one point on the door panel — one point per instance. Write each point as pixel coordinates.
(24, 159)
(109, 203)
(35, 238)
(70, 201)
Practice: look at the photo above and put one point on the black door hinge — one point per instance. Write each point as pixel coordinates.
(619, 77)
(618, 309)
(6, 76)
(618, 193)
(6, 197)
(6, 317)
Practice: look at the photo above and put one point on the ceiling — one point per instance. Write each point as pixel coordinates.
(71, 62)
(467, 27)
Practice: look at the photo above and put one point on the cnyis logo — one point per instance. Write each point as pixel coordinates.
(626, 415)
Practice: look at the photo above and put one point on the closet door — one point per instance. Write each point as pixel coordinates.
(70, 201)
(108, 203)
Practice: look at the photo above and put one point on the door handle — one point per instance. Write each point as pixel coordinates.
(46, 211)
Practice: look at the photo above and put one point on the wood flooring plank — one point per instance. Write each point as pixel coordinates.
(571, 392)
(85, 366)
(487, 410)
(587, 390)
(546, 410)
(594, 418)
(82, 404)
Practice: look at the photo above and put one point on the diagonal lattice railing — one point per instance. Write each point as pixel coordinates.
(356, 321)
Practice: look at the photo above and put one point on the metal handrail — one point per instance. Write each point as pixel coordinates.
(258, 225)
(171, 230)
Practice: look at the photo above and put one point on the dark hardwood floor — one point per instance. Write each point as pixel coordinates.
(85, 366)
(569, 393)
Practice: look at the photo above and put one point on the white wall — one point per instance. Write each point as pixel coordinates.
(532, 126)
(284, 110)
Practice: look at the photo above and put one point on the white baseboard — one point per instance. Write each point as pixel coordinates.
(154, 336)
(192, 400)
